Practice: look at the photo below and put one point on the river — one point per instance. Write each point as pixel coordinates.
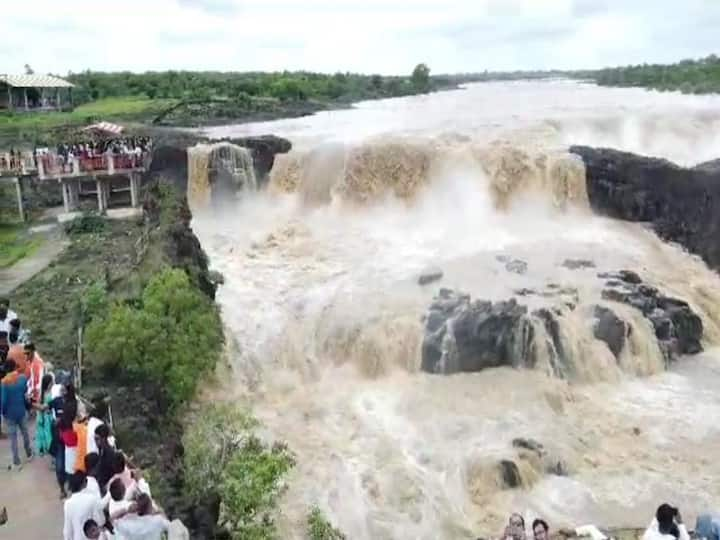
(325, 314)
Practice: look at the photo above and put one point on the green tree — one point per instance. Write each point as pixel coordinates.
(222, 455)
(421, 78)
(168, 338)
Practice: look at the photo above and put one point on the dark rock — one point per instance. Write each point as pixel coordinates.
(575, 264)
(170, 161)
(524, 292)
(516, 266)
(461, 335)
(628, 276)
(558, 359)
(264, 148)
(429, 275)
(529, 444)
(510, 473)
(678, 329)
(682, 204)
(611, 329)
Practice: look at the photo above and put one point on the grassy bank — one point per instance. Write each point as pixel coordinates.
(27, 129)
(16, 243)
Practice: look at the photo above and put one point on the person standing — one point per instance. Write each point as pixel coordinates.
(6, 315)
(12, 397)
(37, 371)
(44, 426)
(79, 508)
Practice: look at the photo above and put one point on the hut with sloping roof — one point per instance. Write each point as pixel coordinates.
(34, 93)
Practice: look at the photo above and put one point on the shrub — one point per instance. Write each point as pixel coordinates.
(223, 456)
(169, 338)
(94, 302)
(87, 224)
(319, 528)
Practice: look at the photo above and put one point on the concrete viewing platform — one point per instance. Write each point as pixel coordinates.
(74, 175)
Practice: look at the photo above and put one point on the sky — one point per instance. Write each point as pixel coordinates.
(368, 36)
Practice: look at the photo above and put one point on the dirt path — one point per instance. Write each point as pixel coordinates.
(53, 244)
(31, 496)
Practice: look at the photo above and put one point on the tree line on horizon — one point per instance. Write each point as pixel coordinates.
(701, 76)
(241, 86)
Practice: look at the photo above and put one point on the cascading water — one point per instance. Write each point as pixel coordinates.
(218, 171)
(322, 297)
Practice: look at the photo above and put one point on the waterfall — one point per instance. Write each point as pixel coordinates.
(218, 172)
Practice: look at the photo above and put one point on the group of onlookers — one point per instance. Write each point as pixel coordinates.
(128, 152)
(666, 525)
(108, 497)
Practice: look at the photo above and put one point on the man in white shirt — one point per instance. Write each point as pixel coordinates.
(143, 525)
(80, 507)
(6, 315)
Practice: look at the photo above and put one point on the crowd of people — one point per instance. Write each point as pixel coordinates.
(127, 153)
(105, 495)
(667, 524)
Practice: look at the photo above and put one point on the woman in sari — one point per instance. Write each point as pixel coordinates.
(44, 428)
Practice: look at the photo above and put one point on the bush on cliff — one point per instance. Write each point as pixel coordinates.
(168, 338)
(319, 528)
(224, 458)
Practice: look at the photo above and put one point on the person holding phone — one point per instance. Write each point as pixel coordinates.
(667, 525)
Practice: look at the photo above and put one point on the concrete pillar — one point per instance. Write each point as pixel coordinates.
(66, 195)
(71, 195)
(134, 190)
(27, 106)
(101, 195)
(18, 191)
(41, 167)
(74, 192)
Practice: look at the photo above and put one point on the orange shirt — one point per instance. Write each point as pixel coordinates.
(81, 431)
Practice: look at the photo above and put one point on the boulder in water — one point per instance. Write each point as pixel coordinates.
(678, 328)
(578, 264)
(510, 473)
(516, 266)
(611, 329)
(430, 275)
(461, 335)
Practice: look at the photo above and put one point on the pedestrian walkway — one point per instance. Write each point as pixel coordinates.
(32, 498)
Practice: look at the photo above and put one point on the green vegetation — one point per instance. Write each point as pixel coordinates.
(15, 244)
(286, 86)
(39, 128)
(223, 456)
(188, 98)
(167, 337)
(319, 528)
(688, 76)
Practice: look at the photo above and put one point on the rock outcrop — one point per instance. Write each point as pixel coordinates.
(682, 204)
(170, 160)
(465, 335)
(678, 328)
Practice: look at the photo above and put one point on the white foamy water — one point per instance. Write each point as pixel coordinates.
(322, 299)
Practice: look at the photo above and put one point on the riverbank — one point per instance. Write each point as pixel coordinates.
(298, 95)
(112, 262)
